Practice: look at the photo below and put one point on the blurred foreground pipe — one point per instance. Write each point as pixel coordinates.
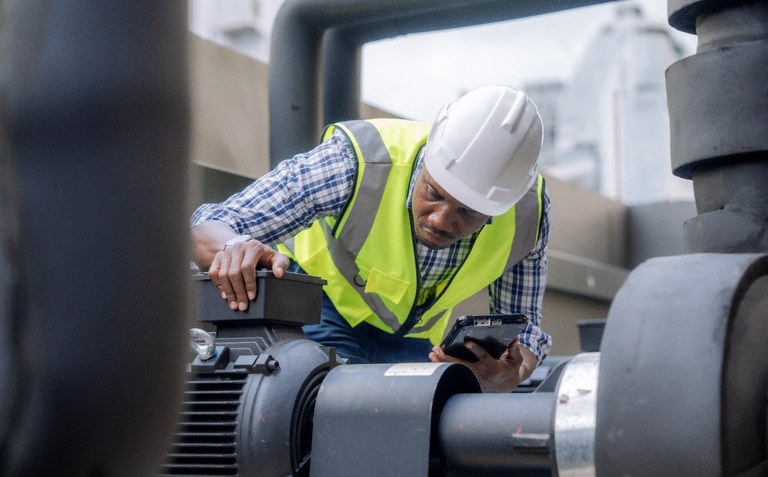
(96, 133)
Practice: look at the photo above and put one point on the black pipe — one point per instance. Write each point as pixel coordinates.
(96, 134)
(341, 65)
(296, 60)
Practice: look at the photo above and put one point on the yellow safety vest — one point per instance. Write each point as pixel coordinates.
(368, 255)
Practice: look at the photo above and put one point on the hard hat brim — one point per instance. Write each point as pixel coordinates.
(470, 197)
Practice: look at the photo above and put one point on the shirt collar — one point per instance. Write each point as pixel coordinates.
(419, 162)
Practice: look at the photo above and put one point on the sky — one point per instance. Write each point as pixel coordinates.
(412, 75)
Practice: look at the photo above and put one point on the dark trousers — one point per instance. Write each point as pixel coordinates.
(364, 343)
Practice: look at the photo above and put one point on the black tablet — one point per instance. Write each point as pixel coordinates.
(493, 332)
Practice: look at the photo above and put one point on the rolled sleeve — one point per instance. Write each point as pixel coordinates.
(289, 198)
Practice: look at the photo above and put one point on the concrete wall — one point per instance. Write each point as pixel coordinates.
(229, 110)
(657, 229)
(586, 224)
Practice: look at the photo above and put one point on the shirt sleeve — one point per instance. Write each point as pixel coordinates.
(289, 198)
(521, 288)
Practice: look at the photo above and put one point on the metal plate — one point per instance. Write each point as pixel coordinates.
(574, 422)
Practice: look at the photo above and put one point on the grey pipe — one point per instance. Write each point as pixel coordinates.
(96, 134)
(296, 76)
(498, 434)
(718, 100)
(549, 432)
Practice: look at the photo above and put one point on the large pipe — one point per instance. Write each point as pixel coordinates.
(95, 300)
(430, 418)
(301, 72)
(718, 100)
(498, 434)
(548, 432)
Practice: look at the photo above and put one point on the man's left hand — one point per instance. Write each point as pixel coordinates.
(514, 365)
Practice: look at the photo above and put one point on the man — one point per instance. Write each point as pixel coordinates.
(403, 229)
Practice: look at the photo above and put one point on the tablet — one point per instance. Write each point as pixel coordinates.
(493, 332)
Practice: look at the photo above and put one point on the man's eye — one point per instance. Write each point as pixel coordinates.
(471, 214)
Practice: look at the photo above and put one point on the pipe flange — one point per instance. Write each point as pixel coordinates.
(574, 421)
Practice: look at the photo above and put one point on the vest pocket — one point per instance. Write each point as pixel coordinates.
(387, 286)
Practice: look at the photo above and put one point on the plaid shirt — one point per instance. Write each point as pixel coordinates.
(319, 183)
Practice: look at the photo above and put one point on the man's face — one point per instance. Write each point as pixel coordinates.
(438, 219)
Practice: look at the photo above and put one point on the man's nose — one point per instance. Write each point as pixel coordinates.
(442, 218)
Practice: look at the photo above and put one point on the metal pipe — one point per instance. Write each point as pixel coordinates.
(498, 434)
(295, 117)
(96, 126)
(341, 73)
(536, 434)
(717, 103)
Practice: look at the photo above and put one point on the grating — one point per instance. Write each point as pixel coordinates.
(206, 440)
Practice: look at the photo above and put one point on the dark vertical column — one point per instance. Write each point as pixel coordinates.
(96, 133)
(341, 77)
(294, 82)
(718, 107)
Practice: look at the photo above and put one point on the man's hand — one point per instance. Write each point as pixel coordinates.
(514, 365)
(233, 268)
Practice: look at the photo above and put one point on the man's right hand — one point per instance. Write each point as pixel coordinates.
(232, 269)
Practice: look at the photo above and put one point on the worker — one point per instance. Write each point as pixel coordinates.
(404, 220)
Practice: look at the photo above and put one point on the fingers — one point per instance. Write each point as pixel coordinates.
(227, 274)
(233, 271)
(493, 375)
(497, 375)
(280, 263)
(513, 352)
(440, 355)
(437, 355)
(477, 350)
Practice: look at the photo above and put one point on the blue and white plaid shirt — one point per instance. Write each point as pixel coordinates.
(319, 183)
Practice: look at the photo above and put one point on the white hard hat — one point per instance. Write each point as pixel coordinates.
(483, 148)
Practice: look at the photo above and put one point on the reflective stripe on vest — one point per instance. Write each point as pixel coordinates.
(377, 166)
(528, 211)
(369, 146)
